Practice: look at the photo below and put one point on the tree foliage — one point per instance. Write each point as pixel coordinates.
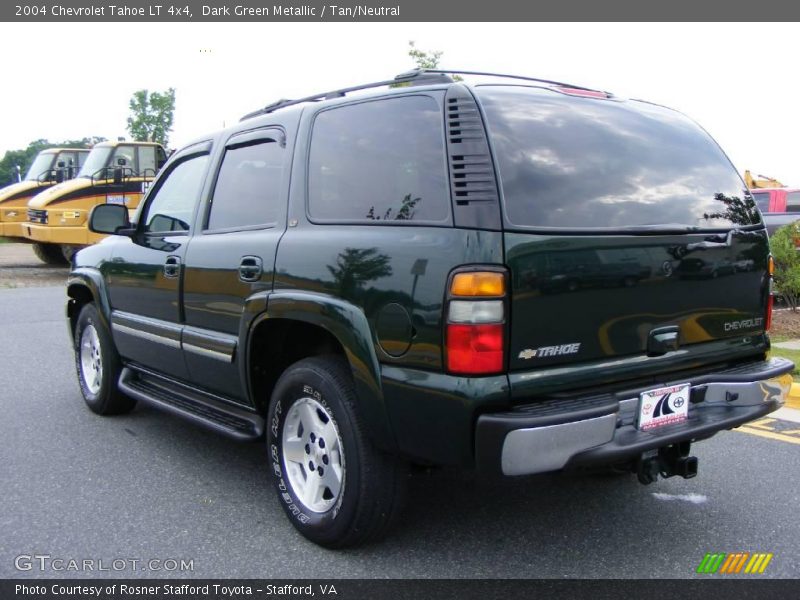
(356, 266)
(787, 263)
(24, 156)
(424, 59)
(151, 116)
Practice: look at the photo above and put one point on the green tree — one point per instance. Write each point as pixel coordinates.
(424, 59)
(151, 116)
(787, 263)
(356, 266)
(24, 156)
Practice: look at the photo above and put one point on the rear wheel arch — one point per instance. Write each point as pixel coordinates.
(310, 325)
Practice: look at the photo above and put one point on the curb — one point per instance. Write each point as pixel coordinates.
(793, 400)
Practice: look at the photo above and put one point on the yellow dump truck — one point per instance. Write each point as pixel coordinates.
(50, 167)
(114, 173)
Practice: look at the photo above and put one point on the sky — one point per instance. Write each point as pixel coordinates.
(69, 81)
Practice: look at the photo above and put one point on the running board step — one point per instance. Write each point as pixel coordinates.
(191, 404)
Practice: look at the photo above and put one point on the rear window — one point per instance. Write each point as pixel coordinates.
(568, 162)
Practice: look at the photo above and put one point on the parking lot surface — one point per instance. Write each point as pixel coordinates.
(147, 486)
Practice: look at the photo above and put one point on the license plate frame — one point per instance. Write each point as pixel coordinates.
(663, 406)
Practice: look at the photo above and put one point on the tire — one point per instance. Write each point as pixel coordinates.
(371, 484)
(98, 366)
(49, 254)
(68, 251)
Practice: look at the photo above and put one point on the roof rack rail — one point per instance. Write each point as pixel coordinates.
(414, 77)
(417, 76)
(520, 77)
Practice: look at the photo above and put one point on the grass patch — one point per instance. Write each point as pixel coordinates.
(792, 355)
(4, 240)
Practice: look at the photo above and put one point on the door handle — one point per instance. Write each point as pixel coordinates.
(250, 269)
(172, 266)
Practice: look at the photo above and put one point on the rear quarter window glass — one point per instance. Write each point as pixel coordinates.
(381, 160)
(568, 162)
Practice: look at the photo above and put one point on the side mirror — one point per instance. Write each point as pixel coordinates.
(110, 219)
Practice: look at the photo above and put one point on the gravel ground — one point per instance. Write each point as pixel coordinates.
(19, 267)
(785, 324)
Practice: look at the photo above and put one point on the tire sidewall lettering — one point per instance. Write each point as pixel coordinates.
(277, 421)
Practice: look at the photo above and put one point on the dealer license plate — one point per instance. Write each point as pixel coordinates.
(664, 406)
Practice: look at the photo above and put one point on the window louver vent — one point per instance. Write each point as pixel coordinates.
(471, 171)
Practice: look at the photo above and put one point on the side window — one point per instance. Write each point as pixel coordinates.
(70, 163)
(762, 201)
(248, 186)
(68, 158)
(793, 202)
(147, 160)
(379, 160)
(171, 206)
(128, 154)
(162, 157)
(82, 158)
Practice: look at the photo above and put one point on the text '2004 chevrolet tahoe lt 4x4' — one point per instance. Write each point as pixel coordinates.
(517, 276)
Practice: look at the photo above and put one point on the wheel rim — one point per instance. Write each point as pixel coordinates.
(91, 359)
(313, 458)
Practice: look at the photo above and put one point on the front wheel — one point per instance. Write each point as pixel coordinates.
(49, 254)
(68, 251)
(98, 366)
(336, 488)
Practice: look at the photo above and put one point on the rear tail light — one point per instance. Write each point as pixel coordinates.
(768, 320)
(476, 323)
(478, 283)
(770, 296)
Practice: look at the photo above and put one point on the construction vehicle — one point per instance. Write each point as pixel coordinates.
(114, 173)
(763, 182)
(50, 167)
(779, 204)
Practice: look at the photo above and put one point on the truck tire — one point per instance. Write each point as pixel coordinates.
(49, 254)
(98, 366)
(337, 489)
(68, 251)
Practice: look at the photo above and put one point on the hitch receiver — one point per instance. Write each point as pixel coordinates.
(666, 462)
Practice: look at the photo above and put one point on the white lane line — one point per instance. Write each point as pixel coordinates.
(693, 498)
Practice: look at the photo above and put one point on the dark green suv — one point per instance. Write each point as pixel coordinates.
(484, 275)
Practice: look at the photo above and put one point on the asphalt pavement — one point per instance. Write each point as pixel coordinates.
(148, 486)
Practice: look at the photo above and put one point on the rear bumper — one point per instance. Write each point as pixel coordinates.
(596, 430)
